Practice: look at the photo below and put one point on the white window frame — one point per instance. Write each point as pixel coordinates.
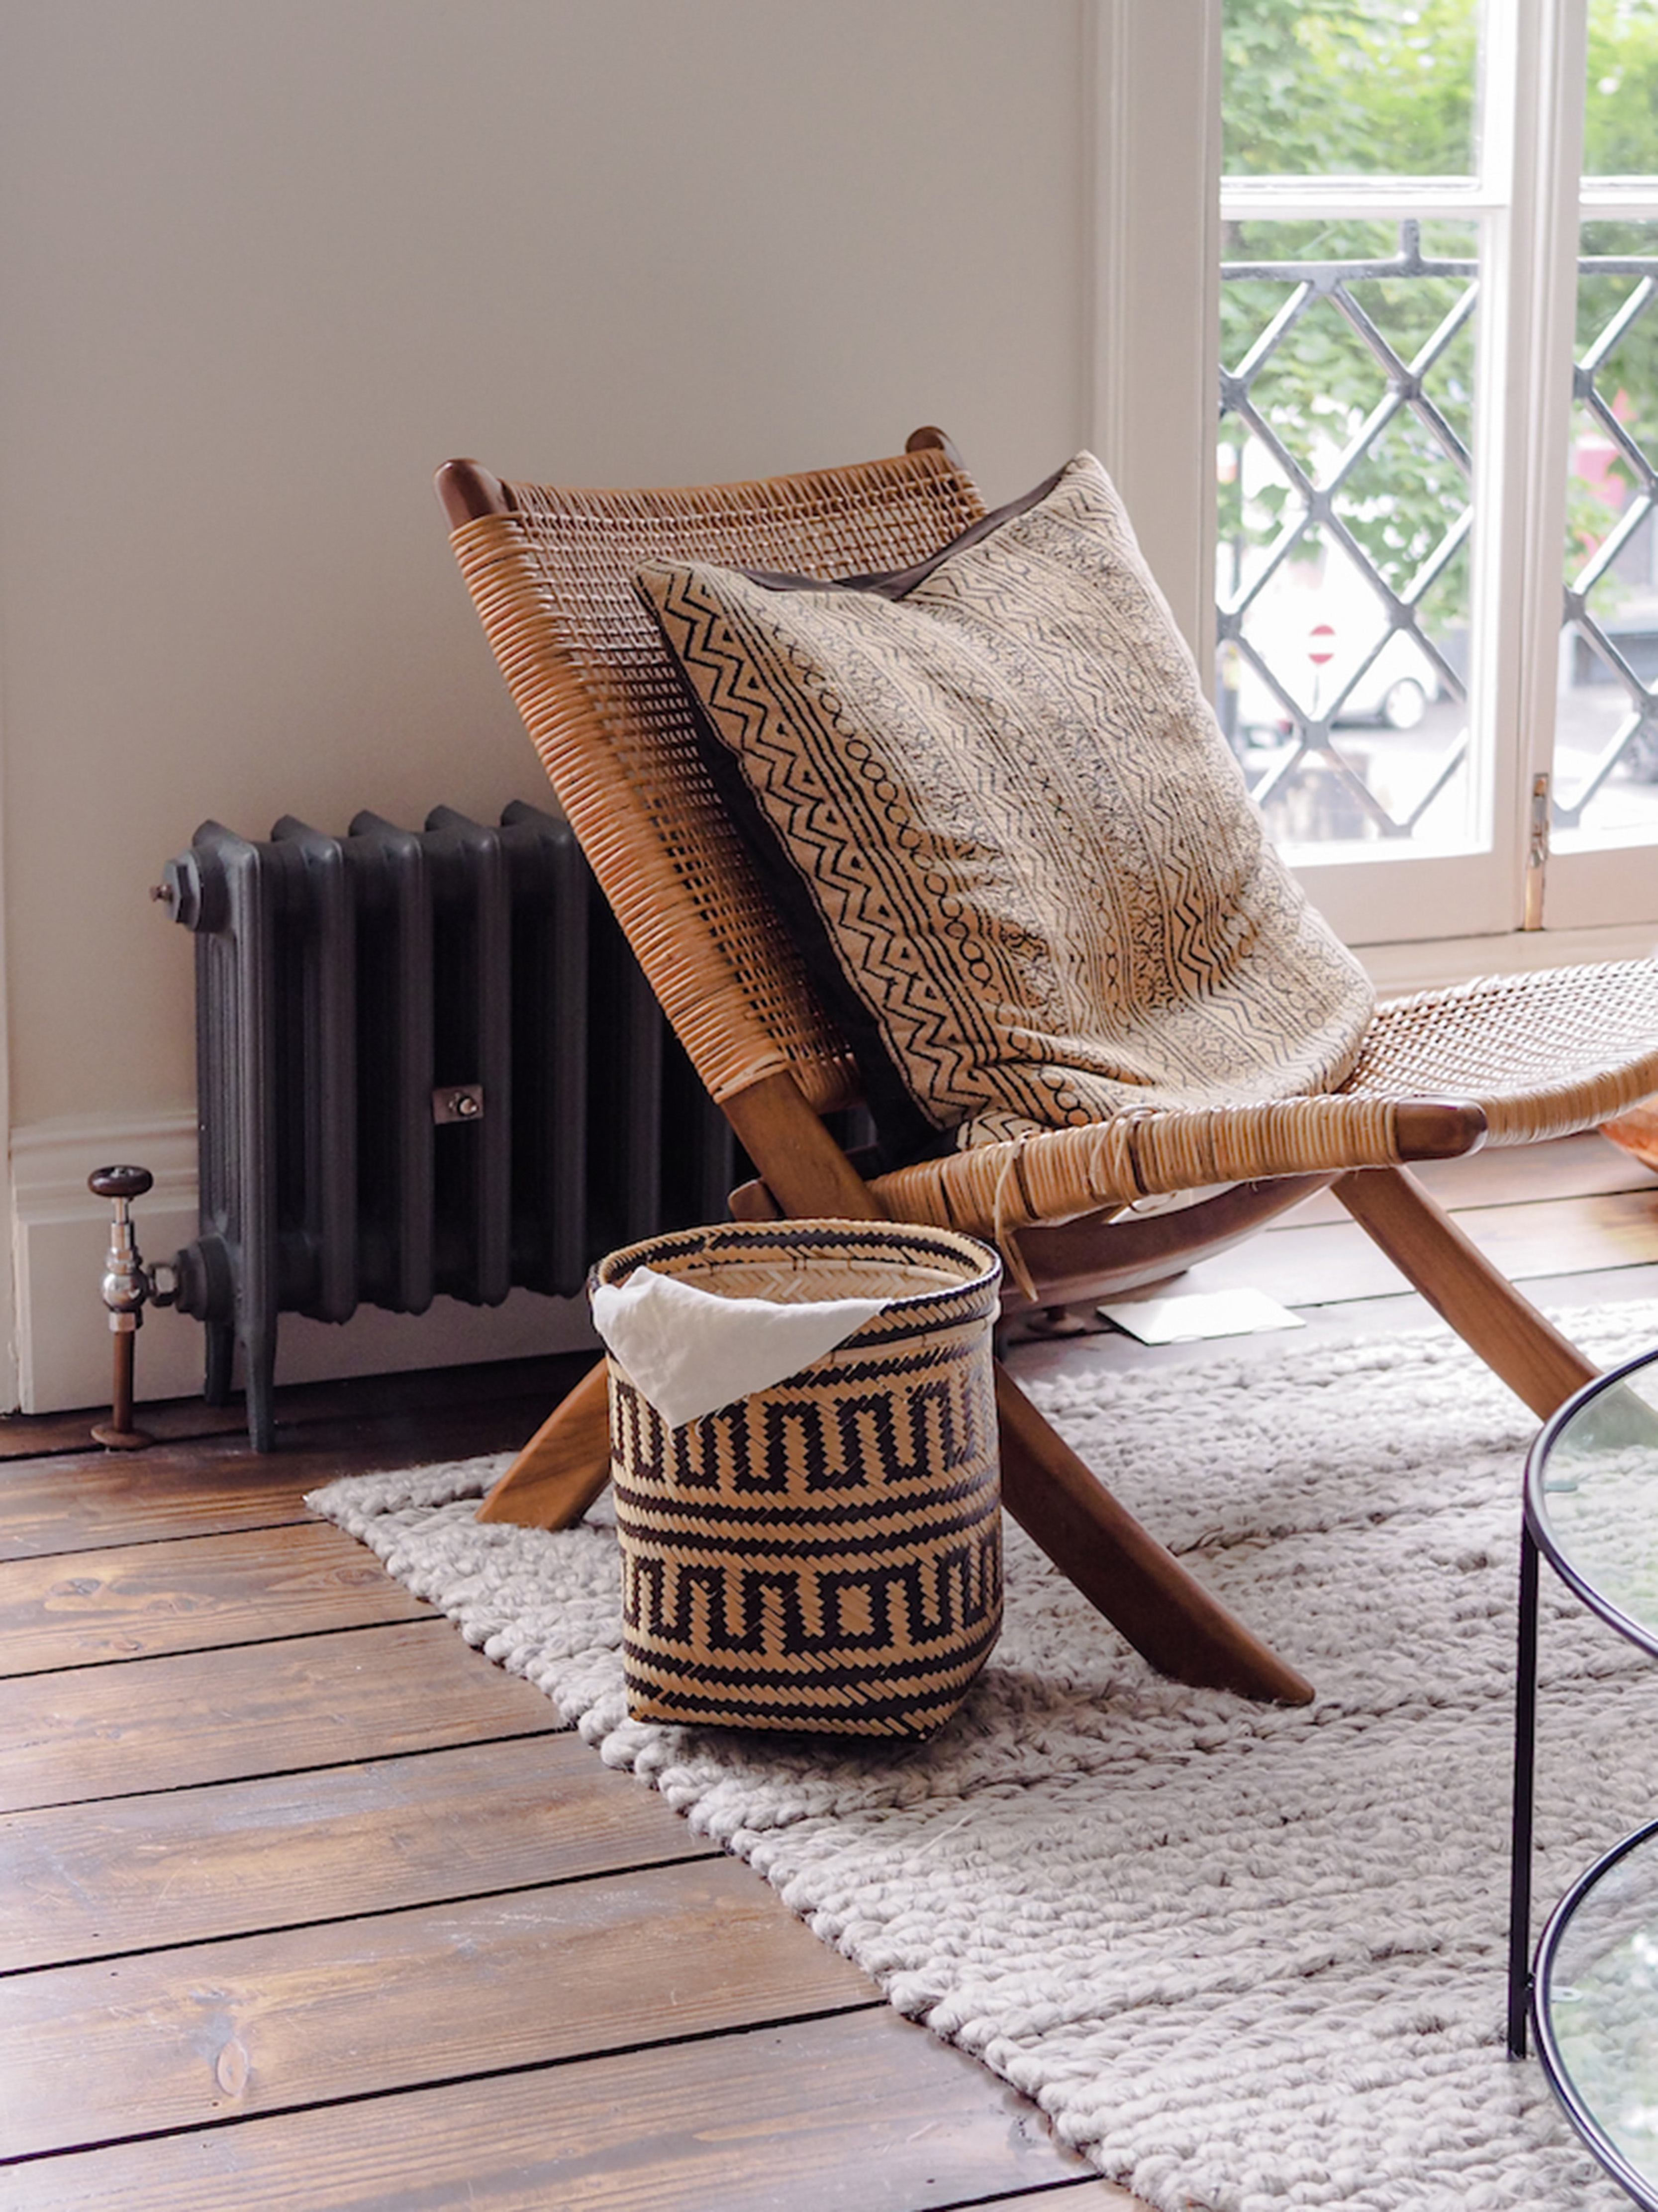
(1598, 880)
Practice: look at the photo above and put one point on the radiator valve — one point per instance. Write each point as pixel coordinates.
(129, 1286)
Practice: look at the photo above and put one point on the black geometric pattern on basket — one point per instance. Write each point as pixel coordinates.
(908, 1605)
(838, 1440)
(1026, 839)
(825, 1555)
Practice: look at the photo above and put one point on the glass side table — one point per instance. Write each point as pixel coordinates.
(1591, 1509)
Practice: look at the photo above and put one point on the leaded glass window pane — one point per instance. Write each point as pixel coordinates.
(1346, 515)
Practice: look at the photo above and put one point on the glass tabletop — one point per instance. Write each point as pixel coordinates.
(1592, 1497)
(1597, 2011)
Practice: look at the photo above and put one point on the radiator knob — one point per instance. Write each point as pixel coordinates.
(120, 1182)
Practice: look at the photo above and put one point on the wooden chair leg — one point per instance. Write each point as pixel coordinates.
(565, 1465)
(1138, 1584)
(1539, 1365)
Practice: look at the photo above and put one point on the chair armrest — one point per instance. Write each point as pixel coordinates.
(1054, 1175)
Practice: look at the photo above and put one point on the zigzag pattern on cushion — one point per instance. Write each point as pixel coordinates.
(1026, 837)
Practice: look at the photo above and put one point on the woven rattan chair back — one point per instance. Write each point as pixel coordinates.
(552, 574)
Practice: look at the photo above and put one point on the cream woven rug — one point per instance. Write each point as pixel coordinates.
(1245, 1957)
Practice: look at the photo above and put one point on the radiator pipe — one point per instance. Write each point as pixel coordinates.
(128, 1286)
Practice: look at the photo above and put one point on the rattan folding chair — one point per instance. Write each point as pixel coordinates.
(1506, 1062)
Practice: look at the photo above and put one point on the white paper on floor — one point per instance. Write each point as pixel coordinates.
(1189, 1315)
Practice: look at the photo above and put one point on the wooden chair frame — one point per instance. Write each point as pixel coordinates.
(1157, 1604)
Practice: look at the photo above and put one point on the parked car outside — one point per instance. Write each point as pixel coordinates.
(1314, 639)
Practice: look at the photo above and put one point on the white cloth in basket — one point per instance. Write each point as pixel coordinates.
(690, 1351)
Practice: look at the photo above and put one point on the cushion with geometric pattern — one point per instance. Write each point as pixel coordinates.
(995, 806)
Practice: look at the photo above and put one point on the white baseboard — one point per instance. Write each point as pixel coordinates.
(62, 1235)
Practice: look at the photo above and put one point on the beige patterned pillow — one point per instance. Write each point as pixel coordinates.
(1029, 856)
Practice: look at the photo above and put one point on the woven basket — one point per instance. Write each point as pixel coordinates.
(825, 1555)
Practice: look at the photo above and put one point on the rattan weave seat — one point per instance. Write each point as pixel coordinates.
(1513, 1061)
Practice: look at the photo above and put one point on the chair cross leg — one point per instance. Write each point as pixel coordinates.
(1539, 1365)
(1123, 1570)
(565, 1465)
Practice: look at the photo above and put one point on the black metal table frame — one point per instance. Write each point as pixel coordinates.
(1525, 1979)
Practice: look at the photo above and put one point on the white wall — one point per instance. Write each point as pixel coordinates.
(1155, 206)
(265, 263)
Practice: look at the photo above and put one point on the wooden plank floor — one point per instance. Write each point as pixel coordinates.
(306, 1905)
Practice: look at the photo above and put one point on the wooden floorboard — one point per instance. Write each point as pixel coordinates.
(269, 1708)
(81, 1501)
(140, 1600)
(304, 1903)
(314, 2015)
(184, 1866)
(864, 2112)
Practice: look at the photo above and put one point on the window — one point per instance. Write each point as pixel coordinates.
(1440, 367)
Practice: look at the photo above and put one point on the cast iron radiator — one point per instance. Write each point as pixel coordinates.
(426, 1064)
